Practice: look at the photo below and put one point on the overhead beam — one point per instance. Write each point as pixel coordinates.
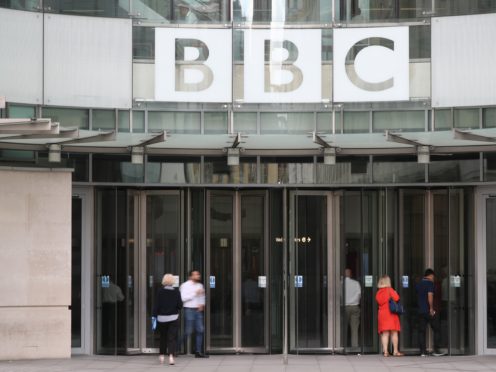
(160, 137)
(100, 137)
(469, 136)
(392, 137)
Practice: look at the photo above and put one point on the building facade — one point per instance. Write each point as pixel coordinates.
(272, 145)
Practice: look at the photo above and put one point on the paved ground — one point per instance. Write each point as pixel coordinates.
(256, 363)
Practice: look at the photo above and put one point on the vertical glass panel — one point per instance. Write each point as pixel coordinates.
(99, 8)
(174, 122)
(364, 11)
(173, 170)
(290, 122)
(489, 167)
(116, 168)
(454, 168)
(406, 121)
(397, 169)
(420, 41)
(190, 11)
(442, 119)
(138, 121)
(466, 118)
(491, 271)
(221, 268)
(311, 266)
(197, 213)
(349, 169)
(69, 118)
(163, 250)
(411, 263)
(286, 170)
(144, 43)
(32, 5)
(489, 118)
(76, 270)
(215, 122)
(297, 11)
(253, 322)
(23, 112)
(324, 122)
(356, 122)
(131, 293)
(245, 122)
(460, 7)
(217, 171)
(123, 122)
(103, 119)
(79, 162)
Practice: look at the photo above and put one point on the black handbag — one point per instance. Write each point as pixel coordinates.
(396, 307)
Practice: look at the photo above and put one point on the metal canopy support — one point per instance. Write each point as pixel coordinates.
(469, 136)
(26, 126)
(320, 141)
(62, 133)
(161, 137)
(392, 137)
(237, 141)
(100, 137)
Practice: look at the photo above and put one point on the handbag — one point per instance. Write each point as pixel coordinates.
(396, 307)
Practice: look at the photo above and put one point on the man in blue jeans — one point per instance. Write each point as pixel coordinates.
(193, 296)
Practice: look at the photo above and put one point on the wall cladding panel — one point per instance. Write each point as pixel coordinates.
(21, 61)
(88, 61)
(463, 56)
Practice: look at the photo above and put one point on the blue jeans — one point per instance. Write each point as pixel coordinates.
(194, 319)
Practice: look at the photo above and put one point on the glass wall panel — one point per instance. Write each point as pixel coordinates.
(116, 168)
(324, 122)
(245, 122)
(174, 122)
(491, 272)
(32, 5)
(286, 170)
(466, 118)
(406, 121)
(217, 171)
(420, 41)
(68, 118)
(460, 7)
(356, 122)
(123, 122)
(454, 168)
(173, 170)
(489, 167)
(99, 8)
(79, 162)
(197, 212)
(397, 169)
(103, 119)
(364, 11)
(76, 271)
(185, 11)
(489, 118)
(144, 43)
(349, 169)
(20, 111)
(442, 119)
(138, 121)
(295, 11)
(289, 123)
(215, 122)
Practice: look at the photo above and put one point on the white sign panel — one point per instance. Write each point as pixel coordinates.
(369, 280)
(193, 65)
(371, 64)
(262, 281)
(282, 66)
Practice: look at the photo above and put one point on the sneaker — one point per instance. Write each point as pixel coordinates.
(201, 355)
(161, 359)
(438, 353)
(424, 354)
(171, 360)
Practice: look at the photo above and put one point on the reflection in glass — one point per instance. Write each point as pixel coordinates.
(20, 111)
(349, 169)
(489, 118)
(397, 169)
(295, 11)
(356, 122)
(100, 8)
(407, 121)
(454, 168)
(103, 119)
(466, 118)
(363, 11)
(221, 267)
(215, 122)
(217, 171)
(287, 122)
(116, 168)
(252, 268)
(173, 170)
(174, 122)
(138, 121)
(68, 118)
(123, 122)
(286, 170)
(245, 122)
(442, 119)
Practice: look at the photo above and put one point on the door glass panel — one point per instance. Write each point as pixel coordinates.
(163, 247)
(253, 276)
(310, 286)
(76, 271)
(221, 271)
(412, 261)
(491, 271)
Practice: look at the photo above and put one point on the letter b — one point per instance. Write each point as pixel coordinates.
(186, 63)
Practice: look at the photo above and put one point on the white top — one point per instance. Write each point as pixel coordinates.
(353, 292)
(167, 318)
(189, 294)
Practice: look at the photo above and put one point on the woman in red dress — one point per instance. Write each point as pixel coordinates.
(389, 323)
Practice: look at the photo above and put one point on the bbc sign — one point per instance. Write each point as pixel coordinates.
(282, 65)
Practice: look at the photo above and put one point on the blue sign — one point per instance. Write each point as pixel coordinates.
(404, 281)
(298, 281)
(212, 281)
(105, 281)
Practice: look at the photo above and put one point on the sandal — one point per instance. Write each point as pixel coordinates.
(398, 354)
(386, 354)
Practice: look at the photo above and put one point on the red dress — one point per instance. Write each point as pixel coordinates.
(387, 320)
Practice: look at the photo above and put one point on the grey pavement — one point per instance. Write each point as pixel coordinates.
(256, 363)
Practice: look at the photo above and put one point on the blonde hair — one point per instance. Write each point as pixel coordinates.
(384, 282)
(168, 280)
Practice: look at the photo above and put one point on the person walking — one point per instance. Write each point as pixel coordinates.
(428, 315)
(388, 323)
(168, 303)
(193, 296)
(353, 293)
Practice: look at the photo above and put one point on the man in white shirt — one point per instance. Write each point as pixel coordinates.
(193, 296)
(353, 293)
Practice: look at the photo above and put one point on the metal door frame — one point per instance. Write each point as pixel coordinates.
(333, 263)
(236, 266)
(141, 262)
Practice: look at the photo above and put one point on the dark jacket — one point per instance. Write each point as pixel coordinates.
(167, 302)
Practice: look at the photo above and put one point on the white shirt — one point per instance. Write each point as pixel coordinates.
(189, 294)
(353, 292)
